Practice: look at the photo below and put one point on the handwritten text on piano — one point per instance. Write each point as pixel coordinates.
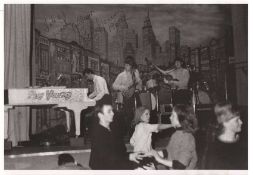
(49, 94)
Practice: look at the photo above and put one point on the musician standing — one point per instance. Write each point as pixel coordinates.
(125, 83)
(179, 82)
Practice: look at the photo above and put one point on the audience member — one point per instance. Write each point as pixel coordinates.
(141, 138)
(181, 148)
(106, 152)
(67, 162)
(227, 152)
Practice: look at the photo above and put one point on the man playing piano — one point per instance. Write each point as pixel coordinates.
(100, 86)
(100, 90)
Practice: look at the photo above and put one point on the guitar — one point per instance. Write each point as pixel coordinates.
(166, 76)
(126, 93)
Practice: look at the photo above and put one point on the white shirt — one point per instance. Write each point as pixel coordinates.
(100, 88)
(125, 80)
(141, 138)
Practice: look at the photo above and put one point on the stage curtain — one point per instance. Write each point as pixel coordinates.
(17, 35)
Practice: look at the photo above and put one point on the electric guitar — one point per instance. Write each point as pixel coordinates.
(166, 76)
(128, 93)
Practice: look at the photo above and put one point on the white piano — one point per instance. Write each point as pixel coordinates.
(65, 99)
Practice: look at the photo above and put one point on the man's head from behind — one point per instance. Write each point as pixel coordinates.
(88, 73)
(65, 158)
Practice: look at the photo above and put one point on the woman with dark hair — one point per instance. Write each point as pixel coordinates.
(181, 148)
(227, 151)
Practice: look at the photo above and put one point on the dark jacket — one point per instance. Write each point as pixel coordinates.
(227, 156)
(108, 152)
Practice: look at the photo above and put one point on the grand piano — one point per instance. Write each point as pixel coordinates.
(65, 99)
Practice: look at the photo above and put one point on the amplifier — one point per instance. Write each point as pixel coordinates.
(205, 115)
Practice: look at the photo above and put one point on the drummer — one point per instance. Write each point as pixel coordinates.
(180, 79)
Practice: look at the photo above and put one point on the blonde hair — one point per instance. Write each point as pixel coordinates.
(138, 113)
(222, 111)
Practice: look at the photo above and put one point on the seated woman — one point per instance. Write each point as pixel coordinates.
(181, 148)
(227, 151)
(107, 151)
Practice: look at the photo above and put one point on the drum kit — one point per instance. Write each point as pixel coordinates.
(148, 96)
(159, 92)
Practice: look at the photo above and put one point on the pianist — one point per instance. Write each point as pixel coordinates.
(100, 90)
(100, 86)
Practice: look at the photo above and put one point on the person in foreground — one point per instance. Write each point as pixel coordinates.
(67, 162)
(142, 136)
(227, 151)
(106, 151)
(181, 148)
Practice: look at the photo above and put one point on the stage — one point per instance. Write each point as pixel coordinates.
(45, 157)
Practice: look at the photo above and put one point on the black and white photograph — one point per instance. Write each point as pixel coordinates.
(126, 87)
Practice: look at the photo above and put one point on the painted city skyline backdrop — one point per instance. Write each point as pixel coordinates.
(197, 23)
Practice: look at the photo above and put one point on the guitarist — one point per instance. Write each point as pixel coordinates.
(126, 83)
(180, 78)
